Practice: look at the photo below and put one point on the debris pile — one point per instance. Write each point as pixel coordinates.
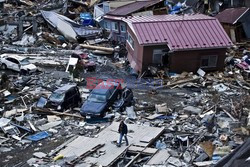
(65, 86)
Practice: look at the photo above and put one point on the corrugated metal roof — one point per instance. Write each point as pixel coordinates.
(231, 15)
(180, 32)
(132, 7)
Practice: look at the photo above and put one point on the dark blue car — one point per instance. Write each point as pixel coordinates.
(100, 99)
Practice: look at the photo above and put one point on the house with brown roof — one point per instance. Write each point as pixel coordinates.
(236, 22)
(180, 43)
(112, 21)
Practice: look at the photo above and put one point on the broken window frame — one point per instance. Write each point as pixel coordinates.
(123, 28)
(130, 41)
(157, 52)
(115, 26)
(211, 61)
(107, 25)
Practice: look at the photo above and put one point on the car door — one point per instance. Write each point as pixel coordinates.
(16, 64)
(112, 94)
(9, 63)
(67, 100)
(12, 64)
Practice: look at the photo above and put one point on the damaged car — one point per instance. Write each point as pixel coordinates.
(101, 98)
(65, 97)
(17, 63)
(126, 100)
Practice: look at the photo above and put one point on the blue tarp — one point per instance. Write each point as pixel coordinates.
(38, 136)
(86, 19)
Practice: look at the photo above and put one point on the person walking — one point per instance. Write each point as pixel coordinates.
(123, 130)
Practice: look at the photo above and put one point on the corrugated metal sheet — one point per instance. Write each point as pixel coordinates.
(180, 32)
(133, 7)
(231, 15)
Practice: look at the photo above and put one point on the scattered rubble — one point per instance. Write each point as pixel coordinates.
(185, 119)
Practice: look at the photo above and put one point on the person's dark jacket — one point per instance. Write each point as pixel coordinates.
(123, 129)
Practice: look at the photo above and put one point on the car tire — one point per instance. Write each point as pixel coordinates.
(3, 67)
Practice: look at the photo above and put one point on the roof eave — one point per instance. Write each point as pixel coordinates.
(241, 16)
(187, 49)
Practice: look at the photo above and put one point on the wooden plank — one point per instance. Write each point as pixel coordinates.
(61, 146)
(135, 149)
(146, 139)
(112, 152)
(149, 150)
(73, 162)
(80, 146)
(132, 160)
(159, 158)
(83, 144)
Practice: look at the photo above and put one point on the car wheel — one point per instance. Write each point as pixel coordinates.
(3, 66)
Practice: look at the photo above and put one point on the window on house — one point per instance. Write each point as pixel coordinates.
(157, 56)
(130, 41)
(123, 28)
(107, 25)
(115, 26)
(209, 61)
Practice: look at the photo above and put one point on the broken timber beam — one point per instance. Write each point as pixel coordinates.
(97, 48)
(178, 82)
(58, 113)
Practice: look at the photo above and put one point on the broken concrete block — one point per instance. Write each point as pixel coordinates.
(187, 156)
(202, 157)
(53, 118)
(161, 108)
(130, 112)
(32, 161)
(5, 149)
(174, 161)
(4, 122)
(192, 110)
(54, 131)
(49, 125)
(220, 87)
(39, 155)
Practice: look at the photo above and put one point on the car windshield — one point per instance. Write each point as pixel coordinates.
(99, 98)
(24, 62)
(57, 97)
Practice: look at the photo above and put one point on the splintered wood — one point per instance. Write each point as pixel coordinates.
(142, 136)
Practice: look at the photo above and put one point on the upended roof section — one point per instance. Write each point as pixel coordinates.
(181, 32)
(231, 15)
(133, 7)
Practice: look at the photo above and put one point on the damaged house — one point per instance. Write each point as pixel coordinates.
(113, 22)
(236, 22)
(180, 43)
